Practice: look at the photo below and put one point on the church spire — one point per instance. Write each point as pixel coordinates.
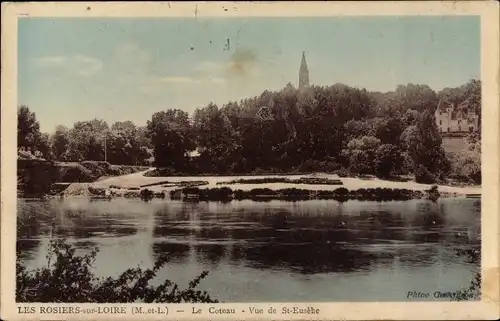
(303, 72)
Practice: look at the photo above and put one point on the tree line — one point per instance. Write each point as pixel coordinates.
(335, 128)
(123, 143)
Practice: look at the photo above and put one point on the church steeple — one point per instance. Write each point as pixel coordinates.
(303, 72)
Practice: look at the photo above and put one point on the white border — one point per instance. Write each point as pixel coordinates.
(488, 308)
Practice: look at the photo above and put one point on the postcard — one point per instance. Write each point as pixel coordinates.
(250, 161)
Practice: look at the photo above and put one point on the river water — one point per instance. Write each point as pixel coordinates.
(269, 251)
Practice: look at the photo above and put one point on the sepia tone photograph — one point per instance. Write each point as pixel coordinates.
(249, 159)
(281, 166)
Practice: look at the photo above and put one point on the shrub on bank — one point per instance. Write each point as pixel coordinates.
(341, 191)
(433, 193)
(214, 194)
(146, 194)
(340, 194)
(70, 278)
(76, 173)
(466, 167)
(101, 168)
(422, 175)
(263, 192)
(295, 193)
(161, 172)
(342, 172)
(191, 190)
(269, 180)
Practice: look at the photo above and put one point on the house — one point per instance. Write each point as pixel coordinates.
(451, 119)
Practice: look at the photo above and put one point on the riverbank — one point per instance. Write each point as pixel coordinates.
(295, 194)
(156, 184)
(221, 188)
(37, 177)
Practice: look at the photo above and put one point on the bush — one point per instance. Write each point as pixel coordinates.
(70, 278)
(466, 167)
(146, 194)
(433, 193)
(342, 172)
(302, 180)
(295, 193)
(97, 168)
(163, 172)
(191, 190)
(263, 192)
(76, 173)
(341, 191)
(387, 160)
(422, 175)
(222, 193)
(35, 177)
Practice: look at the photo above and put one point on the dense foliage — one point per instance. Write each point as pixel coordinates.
(30, 141)
(70, 278)
(123, 143)
(336, 128)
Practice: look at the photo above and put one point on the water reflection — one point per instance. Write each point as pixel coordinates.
(174, 252)
(301, 238)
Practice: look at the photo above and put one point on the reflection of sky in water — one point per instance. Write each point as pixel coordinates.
(313, 250)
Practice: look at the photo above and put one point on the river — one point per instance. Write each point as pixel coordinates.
(269, 251)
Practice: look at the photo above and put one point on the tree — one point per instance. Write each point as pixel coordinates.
(30, 140)
(423, 144)
(216, 137)
(142, 137)
(170, 134)
(473, 99)
(60, 143)
(388, 129)
(388, 159)
(466, 166)
(124, 144)
(360, 154)
(356, 129)
(410, 118)
(43, 147)
(87, 140)
(431, 155)
(28, 129)
(417, 97)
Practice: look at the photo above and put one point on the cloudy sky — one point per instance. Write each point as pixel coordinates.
(126, 69)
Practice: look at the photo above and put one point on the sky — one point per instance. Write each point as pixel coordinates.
(116, 69)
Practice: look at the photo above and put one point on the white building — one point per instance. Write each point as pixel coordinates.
(454, 120)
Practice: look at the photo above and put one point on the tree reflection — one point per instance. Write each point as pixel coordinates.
(302, 237)
(173, 252)
(304, 258)
(212, 253)
(26, 249)
(336, 239)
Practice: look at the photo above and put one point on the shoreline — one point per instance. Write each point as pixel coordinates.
(155, 184)
(260, 188)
